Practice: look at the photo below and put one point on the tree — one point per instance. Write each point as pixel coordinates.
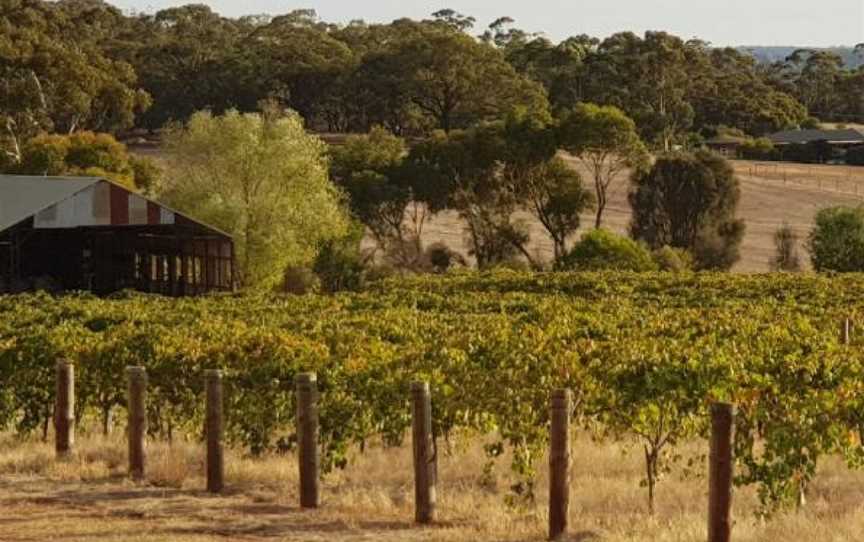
(728, 89)
(454, 20)
(557, 198)
(648, 78)
(836, 242)
(85, 154)
(818, 73)
(605, 140)
(457, 81)
(464, 171)
(369, 168)
(263, 179)
(786, 245)
(689, 201)
(540, 182)
(600, 250)
(559, 68)
(54, 78)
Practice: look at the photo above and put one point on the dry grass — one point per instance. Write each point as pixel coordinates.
(767, 203)
(89, 498)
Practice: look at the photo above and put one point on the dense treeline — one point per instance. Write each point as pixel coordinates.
(72, 65)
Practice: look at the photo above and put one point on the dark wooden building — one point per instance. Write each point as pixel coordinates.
(91, 234)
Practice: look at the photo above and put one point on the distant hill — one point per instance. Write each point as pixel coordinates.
(773, 54)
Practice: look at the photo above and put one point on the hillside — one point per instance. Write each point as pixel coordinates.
(775, 54)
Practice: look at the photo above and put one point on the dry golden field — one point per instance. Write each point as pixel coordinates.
(771, 194)
(88, 498)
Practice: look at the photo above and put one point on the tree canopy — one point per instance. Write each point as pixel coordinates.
(70, 65)
(689, 201)
(261, 178)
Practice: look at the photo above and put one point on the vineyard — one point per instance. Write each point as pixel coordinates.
(644, 355)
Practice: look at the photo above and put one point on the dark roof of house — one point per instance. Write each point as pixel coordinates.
(807, 136)
(726, 139)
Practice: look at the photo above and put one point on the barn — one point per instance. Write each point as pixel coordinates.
(88, 233)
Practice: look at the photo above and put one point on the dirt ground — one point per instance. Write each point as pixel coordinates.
(88, 498)
(771, 194)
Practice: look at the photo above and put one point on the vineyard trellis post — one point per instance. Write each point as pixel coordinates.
(424, 455)
(720, 473)
(213, 427)
(559, 463)
(137, 414)
(845, 331)
(64, 409)
(307, 438)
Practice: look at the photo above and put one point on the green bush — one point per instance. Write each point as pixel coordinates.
(758, 149)
(836, 242)
(602, 250)
(300, 281)
(340, 264)
(674, 260)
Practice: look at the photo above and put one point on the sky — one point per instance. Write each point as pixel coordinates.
(722, 22)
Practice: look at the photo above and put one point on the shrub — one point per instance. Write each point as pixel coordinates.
(600, 250)
(786, 244)
(811, 123)
(836, 242)
(441, 258)
(300, 281)
(674, 260)
(340, 264)
(758, 149)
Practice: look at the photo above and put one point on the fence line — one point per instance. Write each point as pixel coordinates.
(720, 467)
(811, 179)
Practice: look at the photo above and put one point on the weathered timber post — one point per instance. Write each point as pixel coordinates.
(213, 425)
(64, 409)
(559, 463)
(307, 438)
(720, 473)
(845, 331)
(425, 470)
(137, 414)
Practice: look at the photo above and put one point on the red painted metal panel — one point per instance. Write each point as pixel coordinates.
(119, 206)
(154, 213)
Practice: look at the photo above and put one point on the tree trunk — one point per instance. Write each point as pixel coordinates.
(601, 203)
(651, 457)
(106, 421)
(45, 423)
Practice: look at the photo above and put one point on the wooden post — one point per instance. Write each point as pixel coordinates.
(845, 331)
(64, 409)
(137, 377)
(559, 463)
(720, 473)
(424, 454)
(307, 438)
(213, 431)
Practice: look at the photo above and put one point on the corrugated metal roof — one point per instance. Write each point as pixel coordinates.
(23, 196)
(806, 136)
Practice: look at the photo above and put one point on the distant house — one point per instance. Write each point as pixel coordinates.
(836, 138)
(816, 146)
(726, 144)
(87, 233)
